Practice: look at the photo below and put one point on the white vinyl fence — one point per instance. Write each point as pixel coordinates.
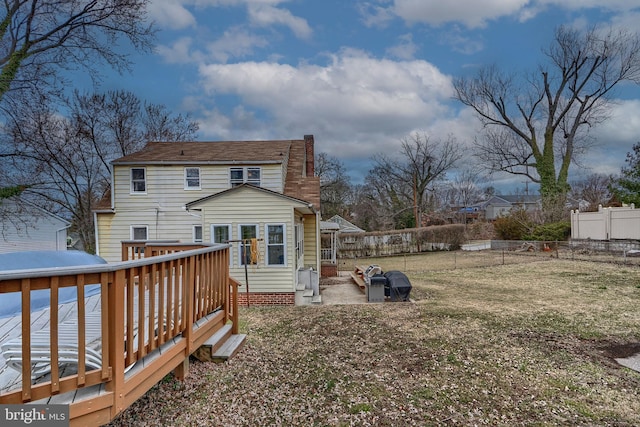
(606, 224)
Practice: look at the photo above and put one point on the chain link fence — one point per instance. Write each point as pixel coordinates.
(503, 252)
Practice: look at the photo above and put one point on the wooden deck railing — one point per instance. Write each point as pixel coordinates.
(164, 307)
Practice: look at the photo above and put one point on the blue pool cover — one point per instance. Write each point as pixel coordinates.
(10, 303)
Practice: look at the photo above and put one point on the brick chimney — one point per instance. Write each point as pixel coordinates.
(308, 146)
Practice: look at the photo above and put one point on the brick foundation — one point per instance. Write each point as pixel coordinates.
(273, 298)
(328, 270)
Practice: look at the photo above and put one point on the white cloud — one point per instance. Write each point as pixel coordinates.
(359, 104)
(623, 126)
(627, 20)
(375, 16)
(476, 14)
(267, 15)
(471, 13)
(405, 49)
(614, 5)
(236, 42)
(179, 52)
(170, 14)
(460, 42)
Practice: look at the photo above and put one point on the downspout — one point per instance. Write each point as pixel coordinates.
(95, 232)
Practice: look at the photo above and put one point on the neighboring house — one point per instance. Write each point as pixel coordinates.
(344, 225)
(498, 206)
(329, 243)
(26, 227)
(214, 192)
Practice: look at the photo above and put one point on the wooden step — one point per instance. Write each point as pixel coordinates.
(210, 346)
(231, 346)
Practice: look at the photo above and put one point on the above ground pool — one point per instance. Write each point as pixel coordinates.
(11, 303)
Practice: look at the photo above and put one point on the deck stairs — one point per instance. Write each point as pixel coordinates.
(222, 346)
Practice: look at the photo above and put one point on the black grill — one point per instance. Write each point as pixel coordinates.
(398, 286)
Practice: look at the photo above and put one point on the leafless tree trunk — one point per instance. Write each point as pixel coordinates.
(39, 37)
(403, 183)
(536, 124)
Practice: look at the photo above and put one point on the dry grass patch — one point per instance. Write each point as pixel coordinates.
(517, 344)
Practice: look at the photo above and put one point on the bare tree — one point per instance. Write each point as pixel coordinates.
(163, 126)
(595, 189)
(40, 37)
(335, 185)
(403, 182)
(464, 190)
(64, 161)
(536, 124)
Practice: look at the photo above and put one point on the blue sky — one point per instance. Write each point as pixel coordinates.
(359, 75)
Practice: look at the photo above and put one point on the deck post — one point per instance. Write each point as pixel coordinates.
(234, 305)
(182, 370)
(189, 264)
(116, 341)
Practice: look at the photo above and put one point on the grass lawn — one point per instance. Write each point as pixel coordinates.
(530, 342)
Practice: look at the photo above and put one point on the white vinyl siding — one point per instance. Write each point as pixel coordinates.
(162, 209)
(251, 206)
(311, 245)
(36, 230)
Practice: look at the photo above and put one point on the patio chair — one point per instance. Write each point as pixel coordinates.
(67, 347)
(67, 344)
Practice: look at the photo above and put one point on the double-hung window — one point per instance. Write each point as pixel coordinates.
(197, 233)
(139, 232)
(221, 233)
(242, 175)
(138, 181)
(275, 234)
(192, 178)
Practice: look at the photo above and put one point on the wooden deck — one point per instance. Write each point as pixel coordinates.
(141, 338)
(11, 327)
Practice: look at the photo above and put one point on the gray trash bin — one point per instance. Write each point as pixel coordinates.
(375, 288)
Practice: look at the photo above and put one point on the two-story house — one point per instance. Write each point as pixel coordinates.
(217, 192)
